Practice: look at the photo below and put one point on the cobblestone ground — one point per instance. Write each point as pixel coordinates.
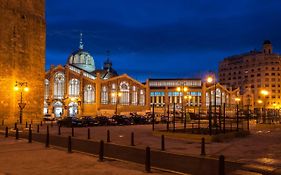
(19, 157)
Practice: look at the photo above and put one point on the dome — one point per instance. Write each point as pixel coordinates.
(82, 59)
(267, 42)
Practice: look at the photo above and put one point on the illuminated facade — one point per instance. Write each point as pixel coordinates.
(193, 93)
(79, 89)
(253, 72)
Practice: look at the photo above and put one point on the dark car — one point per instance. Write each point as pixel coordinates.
(48, 117)
(102, 120)
(89, 121)
(138, 119)
(70, 122)
(122, 120)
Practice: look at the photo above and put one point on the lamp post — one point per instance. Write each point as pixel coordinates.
(116, 95)
(211, 80)
(182, 89)
(237, 100)
(264, 93)
(22, 87)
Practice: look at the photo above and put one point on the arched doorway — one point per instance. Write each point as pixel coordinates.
(58, 109)
(72, 109)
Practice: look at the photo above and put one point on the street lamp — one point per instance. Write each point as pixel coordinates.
(116, 95)
(211, 80)
(264, 93)
(237, 100)
(22, 87)
(181, 91)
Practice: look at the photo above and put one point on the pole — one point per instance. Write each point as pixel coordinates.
(174, 117)
(147, 160)
(184, 124)
(153, 117)
(168, 118)
(237, 117)
(224, 118)
(203, 152)
(199, 117)
(162, 142)
(20, 107)
(215, 101)
(221, 165)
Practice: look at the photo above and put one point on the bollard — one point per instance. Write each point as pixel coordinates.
(108, 136)
(203, 152)
(37, 128)
(17, 133)
(72, 131)
(69, 145)
(16, 126)
(31, 121)
(59, 131)
(41, 123)
(47, 138)
(147, 160)
(163, 143)
(30, 134)
(132, 139)
(26, 125)
(101, 151)
(221, 165)
(89, 133)
(6, 131)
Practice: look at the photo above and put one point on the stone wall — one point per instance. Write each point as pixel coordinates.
(22, 57)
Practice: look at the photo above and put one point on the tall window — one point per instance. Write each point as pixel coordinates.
(89, 94)
(218, 96)
(104, 95)
(207, 99)
(73, 88)
(142, 97)
(134, 96)
(59, 85)
(125, 96)
(113, 94)
(47, 89)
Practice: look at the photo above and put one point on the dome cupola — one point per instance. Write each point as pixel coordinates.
(81, 58)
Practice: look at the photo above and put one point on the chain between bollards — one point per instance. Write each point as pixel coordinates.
(101, 151)
(203, 152)
(147, 160)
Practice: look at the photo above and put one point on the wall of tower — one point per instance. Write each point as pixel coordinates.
(22, 57)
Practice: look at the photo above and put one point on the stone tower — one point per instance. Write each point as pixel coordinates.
(22, 57)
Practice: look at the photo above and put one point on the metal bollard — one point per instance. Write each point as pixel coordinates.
(163, 143)
(37, 128)
(16, 126)
(108, 136)
(17, 133)
(59, 131)
(47, 138)
(147, 160)
(30, 134)
(132, 139)
(101, 151)
(6, 131)
(41, 123)
(26, 125)
(221, 165)
(72, 131)
(69, 145)
(89, 133)
(203, 152)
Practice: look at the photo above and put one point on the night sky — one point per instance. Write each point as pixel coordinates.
(161, 38)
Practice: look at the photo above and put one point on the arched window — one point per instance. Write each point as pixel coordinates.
(125, 97)
(59, 85)
(218, 96)
(104, 95)
(47, 89)
(89, 94)
(113, 94)
(207, 99)
(73, 89)
(142, 97)
(223, 97)
(134, 96)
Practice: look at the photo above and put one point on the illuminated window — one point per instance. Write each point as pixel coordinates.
(125, 96)
(74, 88)
(89, 94)
(47, 89)
(59, 85)
(134, 95)
(142, 97)
(104, 95)
(113, 94)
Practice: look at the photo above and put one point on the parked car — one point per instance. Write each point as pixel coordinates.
(70, 122)
(48, 117)
(102, 120)
(89, 121)
(138, 119)
(122, 120)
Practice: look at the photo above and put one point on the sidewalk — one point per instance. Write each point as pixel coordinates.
(20, 157)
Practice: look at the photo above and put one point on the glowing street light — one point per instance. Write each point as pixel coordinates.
(22, 87)
(260, 102)
(264, 92)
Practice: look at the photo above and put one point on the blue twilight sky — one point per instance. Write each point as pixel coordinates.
(161, 38)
